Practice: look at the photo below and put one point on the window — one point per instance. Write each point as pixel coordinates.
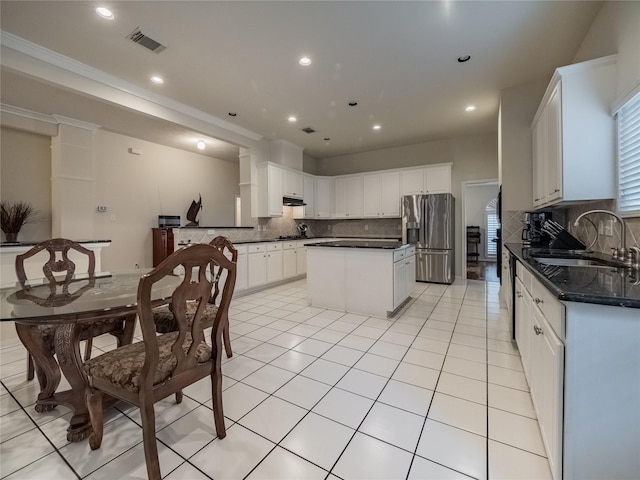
(492, 228)
(629, 157)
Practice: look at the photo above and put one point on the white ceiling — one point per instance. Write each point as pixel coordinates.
(397, 59)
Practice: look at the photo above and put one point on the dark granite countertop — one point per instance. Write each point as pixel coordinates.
(615, 286)
(269, 240)
(379, 244)
(29, 244)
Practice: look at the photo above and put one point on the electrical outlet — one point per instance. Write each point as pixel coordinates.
(329, 227)
(608, 228)
(366, 227)
(600, 228)
(113, 217)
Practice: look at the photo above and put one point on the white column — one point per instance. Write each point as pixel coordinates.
(248, 187)
(72, 180)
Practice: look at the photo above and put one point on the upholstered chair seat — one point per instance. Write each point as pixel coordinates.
(166, 322)
(122, 367)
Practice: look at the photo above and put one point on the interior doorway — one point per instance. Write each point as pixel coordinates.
(479, 226)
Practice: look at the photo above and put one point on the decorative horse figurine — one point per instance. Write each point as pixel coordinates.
(193, 213)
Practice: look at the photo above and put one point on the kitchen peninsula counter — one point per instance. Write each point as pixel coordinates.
(367, 277)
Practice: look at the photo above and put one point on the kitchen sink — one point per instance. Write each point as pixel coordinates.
(572, 262)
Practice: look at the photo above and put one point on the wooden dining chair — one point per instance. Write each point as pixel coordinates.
(163, 364)
(53, 266)
(163, 316)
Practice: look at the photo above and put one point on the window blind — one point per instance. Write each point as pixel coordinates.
(492, 229)
(629, 157)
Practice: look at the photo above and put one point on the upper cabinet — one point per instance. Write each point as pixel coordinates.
(573, 135)
(324, 197)
(293, 184)
(431, 179)
(309, 192)
(269, 190)
(349, 197)
(382, 194)
(368, 195)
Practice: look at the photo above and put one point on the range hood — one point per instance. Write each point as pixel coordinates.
(292, 202)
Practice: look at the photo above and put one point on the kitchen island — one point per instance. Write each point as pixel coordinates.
(367, 277)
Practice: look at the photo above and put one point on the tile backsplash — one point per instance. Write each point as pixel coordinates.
(587, 229)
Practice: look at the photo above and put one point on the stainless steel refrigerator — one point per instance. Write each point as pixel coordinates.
(428, 223)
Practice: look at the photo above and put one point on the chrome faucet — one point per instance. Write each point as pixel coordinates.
(622, 251)
(635, 259)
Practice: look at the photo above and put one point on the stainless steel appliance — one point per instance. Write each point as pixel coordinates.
(428, 223)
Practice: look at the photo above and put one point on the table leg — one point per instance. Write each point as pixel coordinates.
(67, 345)
(47, 369)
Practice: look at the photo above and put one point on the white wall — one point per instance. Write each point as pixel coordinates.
(163, 180)
(25, 175)
(473, 157)
(134, 188)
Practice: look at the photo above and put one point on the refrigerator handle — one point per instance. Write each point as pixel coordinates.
(423, 221)
(404, 230)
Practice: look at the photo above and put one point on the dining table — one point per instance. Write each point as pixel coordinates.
(71, 307)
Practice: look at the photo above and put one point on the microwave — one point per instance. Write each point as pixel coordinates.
(168, 221)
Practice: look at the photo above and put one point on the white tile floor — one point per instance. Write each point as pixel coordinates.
(436, 392)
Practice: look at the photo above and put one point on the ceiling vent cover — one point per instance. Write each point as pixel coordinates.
(141, 39)
(308, 130)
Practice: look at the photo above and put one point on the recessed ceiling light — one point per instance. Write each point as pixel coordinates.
(464, 58)
(292, 119)
(470, 108)
(201, 144)
(232, 114)
(105, 13)
(377, 127)
(305, 61)
(157, 80)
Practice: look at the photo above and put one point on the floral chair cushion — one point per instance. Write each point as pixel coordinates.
(165, 323)
(123, 366)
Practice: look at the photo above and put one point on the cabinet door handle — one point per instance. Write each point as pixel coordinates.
(538, 301)
(537, 329)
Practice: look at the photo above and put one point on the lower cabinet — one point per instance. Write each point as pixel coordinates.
(289, 264)
(404, 275)
(542, 353)
(301, 259)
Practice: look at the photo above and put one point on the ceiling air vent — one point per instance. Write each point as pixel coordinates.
(308, 130)
(140, 38)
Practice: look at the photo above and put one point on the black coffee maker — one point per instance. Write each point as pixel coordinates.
(532, 233)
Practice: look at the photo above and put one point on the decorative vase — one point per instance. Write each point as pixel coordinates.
(12, 237)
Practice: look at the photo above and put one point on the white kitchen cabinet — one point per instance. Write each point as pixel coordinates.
(301, 258)
(289, 264)
(430, 179)
(404, 275)
(293, 183)
(349, 197)
(241, 269)
(324, 197)
(540, 320)
(274, 262)
(269, 190)
(264, 263)
(381, 194)
(574, 135)
(309, 196)
(257, 263)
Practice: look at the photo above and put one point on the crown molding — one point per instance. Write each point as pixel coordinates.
(92, 75)
(30, 114)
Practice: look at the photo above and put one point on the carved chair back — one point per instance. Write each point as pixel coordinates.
(54, 247)
(195, 287)
(222, 244)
